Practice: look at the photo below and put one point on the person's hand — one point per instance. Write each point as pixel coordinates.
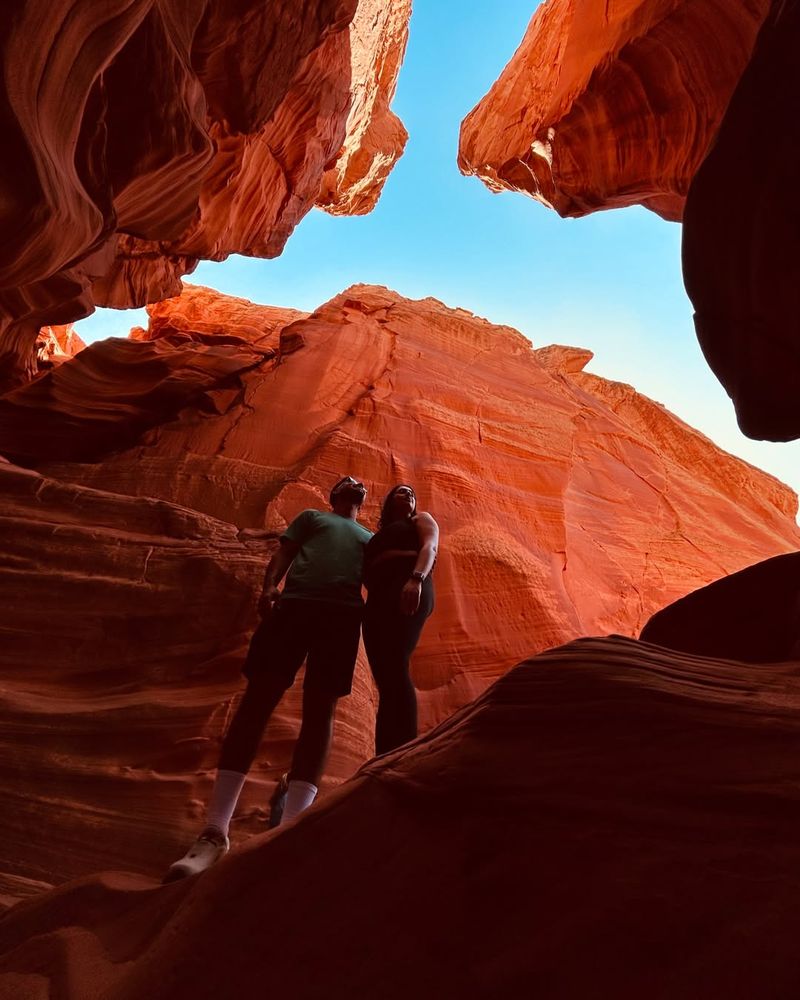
(410, 595)
(267, 601)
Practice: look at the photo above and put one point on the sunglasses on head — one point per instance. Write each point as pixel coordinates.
(348, 483)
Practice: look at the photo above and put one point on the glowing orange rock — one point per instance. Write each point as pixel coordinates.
(611, 104)
(569, 505)
(142, 135)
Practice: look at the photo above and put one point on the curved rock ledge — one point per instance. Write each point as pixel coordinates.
(605, 105)
(609, 819)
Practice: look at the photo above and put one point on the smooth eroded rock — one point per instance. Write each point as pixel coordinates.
(752, 615)
(605, 105)
(741, 239)
(569, 505)
(609, 819)
(143, 135)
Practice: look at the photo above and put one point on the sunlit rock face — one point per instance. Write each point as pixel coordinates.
(166, 466)
(607, 104)
(741, 249)
(56, 344)
(143, 135)
(612, 800)
(652, 102)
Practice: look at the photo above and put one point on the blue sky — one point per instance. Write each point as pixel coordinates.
(610, 282)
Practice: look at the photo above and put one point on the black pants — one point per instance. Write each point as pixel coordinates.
(390, 638)
(326, 636)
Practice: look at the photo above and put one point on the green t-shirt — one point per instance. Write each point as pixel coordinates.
(331, 557)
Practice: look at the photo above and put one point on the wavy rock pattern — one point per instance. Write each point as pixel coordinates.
(124, 625)
(569, 505)
(609, 799)
(611, 104)
(141, 135)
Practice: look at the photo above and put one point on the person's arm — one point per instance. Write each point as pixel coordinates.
(277, 569)
(428, 532)
(291, 541)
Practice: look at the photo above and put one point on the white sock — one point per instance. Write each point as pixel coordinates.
(224, 798)
(299, 797)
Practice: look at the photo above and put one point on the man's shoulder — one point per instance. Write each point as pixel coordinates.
(300, 525)
(353, 527)
(310, 512)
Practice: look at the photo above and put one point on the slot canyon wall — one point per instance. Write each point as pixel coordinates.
(156, 473)
(624, 802)
(605, 105)
(687, 107)
(144, 135)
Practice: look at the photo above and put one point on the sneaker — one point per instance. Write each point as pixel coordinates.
(208, 848)
(278, 801)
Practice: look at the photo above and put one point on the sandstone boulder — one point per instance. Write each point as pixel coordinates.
(752, 615)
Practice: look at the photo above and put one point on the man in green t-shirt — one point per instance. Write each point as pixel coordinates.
(316, 619)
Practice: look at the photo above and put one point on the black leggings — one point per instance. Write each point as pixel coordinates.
(390, 638)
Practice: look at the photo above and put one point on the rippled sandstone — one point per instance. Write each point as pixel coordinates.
(167, 464)
(143, 135)
(605, 105)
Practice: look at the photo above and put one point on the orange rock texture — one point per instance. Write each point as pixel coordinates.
(56, 344)
(158, 472)
(610, 819)
(741, 245)
(143, 135)
(611, 104)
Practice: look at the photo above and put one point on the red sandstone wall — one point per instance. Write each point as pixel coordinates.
(142, 135)
(611, 104)
(569, 505)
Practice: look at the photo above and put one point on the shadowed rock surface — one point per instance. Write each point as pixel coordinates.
(752, 615)
(741, 241)
(609, 819)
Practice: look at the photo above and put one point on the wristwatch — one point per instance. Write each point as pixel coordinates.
(416, 575)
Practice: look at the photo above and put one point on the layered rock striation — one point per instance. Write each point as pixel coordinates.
(154, 473)
(143, 135)
(608, 105)
(610, 800)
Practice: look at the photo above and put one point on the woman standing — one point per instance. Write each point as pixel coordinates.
(398, 562)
